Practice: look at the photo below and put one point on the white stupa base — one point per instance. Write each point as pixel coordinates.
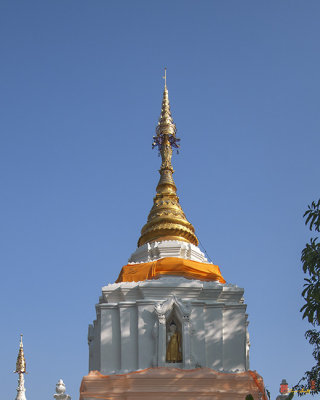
(131, 329)
(167, 248)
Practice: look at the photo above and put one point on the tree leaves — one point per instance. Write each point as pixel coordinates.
(310, 257)
(311, 294)
(313, 216)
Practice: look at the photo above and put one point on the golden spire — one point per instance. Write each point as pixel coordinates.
(21, 362)
(166, 220)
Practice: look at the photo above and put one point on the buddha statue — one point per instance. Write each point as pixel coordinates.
(174, 354)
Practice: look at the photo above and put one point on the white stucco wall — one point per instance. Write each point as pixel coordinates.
(130, 330)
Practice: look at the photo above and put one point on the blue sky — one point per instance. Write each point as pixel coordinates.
(81, 86)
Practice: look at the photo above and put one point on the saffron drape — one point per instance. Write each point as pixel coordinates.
(170, 266)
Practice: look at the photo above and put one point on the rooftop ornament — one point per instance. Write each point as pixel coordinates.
(166, 220)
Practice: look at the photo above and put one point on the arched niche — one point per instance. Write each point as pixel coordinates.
(172, 309)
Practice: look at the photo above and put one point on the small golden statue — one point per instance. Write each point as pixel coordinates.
(174, 354)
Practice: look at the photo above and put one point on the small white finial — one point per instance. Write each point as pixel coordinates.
(60, 391)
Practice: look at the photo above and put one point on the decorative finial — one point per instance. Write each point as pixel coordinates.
(21, 362)
(166, 220)
(165, 77)
(61, 391)
(166, 128)
(21, 370)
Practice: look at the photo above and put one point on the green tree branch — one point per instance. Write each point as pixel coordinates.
(310, 258)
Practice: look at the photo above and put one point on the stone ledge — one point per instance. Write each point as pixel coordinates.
(167, 248)
(167, 285)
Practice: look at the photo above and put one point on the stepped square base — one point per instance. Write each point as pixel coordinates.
(171, 383)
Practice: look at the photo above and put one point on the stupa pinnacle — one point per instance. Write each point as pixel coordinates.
(166, 220)
(21, 370)
(21, 362)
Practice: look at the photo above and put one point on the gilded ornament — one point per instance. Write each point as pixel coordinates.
(21, 362)
(166, 220)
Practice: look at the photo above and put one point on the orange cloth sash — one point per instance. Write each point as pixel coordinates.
(170, 266)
